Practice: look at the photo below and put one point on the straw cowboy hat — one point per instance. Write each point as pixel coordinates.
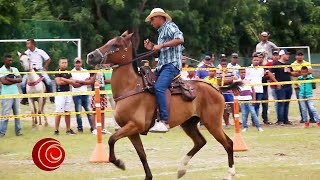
(158, 12)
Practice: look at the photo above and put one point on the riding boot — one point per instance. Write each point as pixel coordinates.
(24, 101)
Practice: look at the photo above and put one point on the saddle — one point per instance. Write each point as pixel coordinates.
(178, 85)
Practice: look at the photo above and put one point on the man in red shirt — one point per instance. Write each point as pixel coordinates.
(275, 57)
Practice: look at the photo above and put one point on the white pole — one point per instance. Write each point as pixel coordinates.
(309, 55)
(39, 40)
(79, 48)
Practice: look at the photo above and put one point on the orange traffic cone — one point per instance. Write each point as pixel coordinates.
(99, 154)
(238, 142)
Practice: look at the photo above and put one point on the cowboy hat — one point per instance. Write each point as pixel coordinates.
(158, 12)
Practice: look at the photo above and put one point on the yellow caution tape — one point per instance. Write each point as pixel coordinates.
(267, 101)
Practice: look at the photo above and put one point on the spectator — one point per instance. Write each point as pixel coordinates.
(9, 86)
(63, 103)
(306, 92)
(247, 93)
(184, 73)
(284, 91)
(296, 66)
(266, 47)
(275, 58)
(204, 61)
(82, 80)
(37, 57)
(207, 64)
(265, 95)
(212, 77)
(255, 76)
(99, 77)
(191, 75)
(234, 64)
(226, 77)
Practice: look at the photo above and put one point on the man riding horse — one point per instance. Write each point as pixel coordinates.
(170, 48)
(37, 57)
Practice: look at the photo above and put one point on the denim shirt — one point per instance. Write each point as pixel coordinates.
(167, 32)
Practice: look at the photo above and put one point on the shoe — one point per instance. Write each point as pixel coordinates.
(52, 100)
(24, 101)
(306, 124)
(228, 126)
(19, 134)
(288, 123)
(105, 131)
(312, 121)
(245, 130)
(56, 133)
(302, 121)
(70, 132)
(94, 132)
(159, 126)
(267, 123)
(280, 123)
(2, 135)
(260, 129)
(80, 131)
(91, 129)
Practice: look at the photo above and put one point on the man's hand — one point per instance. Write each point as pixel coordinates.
(279, 86)
(157, 47)
(148, 44)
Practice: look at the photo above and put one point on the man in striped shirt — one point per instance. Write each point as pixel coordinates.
(170, 48)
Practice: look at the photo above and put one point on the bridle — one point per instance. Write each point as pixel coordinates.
(104, 56)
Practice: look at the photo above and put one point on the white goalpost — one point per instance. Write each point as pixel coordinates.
(77, 42)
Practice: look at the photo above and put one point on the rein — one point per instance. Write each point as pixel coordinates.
(140, 56)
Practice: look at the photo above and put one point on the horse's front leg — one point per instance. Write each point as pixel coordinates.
(33, 111)
(42, 111)
(40, 108)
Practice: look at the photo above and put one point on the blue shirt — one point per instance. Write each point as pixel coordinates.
(202, 73)
(12, 88)
(167, 32)
(305, 88)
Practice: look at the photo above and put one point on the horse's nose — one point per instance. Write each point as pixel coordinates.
(90, 56)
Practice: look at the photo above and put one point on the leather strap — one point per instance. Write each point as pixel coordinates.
(35, 82)
(139, 89)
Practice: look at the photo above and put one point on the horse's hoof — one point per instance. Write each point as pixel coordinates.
(120, 164)
(228, 177)
(232, 171)
(181, 173)
(148, 178)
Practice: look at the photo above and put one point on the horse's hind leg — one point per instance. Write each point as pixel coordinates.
(42, 107)
(136, 141)
(218, 133)
(128, 130)
(191, 129)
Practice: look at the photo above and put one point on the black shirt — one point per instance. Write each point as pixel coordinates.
(63, 88)
(279, 73)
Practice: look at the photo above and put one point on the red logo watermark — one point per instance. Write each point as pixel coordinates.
(47, 154)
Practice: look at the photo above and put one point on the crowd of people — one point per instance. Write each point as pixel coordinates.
(65, 82)
(266, 54)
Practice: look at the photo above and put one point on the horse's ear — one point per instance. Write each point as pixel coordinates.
(124, 34)
(19, 54)
(129, 36)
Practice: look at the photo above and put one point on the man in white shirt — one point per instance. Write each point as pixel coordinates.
(234, 64)
(254, 75)
(83, 80)
(266, 47)
(37, 57)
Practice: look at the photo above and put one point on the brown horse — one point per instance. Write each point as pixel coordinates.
(135, 114)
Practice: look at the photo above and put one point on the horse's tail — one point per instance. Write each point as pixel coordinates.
(234, 86)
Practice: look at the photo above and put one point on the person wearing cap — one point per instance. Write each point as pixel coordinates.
(82, 78)
(275, 57)
(265, 46)
(296, 66)
(207, 64)
(211, 59)
(170, 48)
(234, 64)
(283, 91)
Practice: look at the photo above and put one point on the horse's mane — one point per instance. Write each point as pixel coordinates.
(120, 41)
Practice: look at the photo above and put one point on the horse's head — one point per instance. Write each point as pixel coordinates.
(24, 61)
(116, 51)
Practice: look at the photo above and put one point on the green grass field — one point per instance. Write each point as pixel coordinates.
(286, 152)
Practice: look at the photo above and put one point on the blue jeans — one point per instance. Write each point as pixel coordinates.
(274, 95)
(47, 80)
(245, 110)
(312, 108)
(283, 107)
(79, 102)
(297, 90)
(7, 105)
(165, 77)
(259, 97)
